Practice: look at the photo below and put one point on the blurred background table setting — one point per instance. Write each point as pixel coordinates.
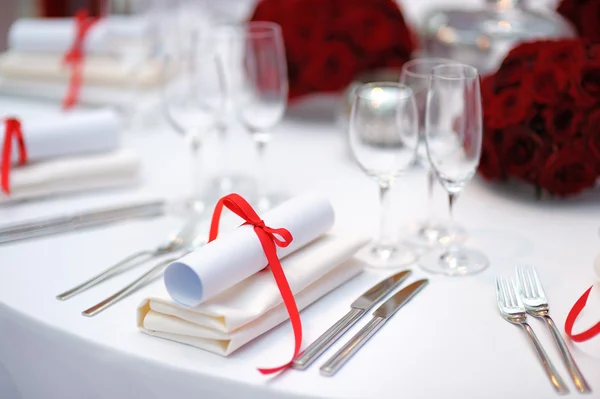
(299, 198)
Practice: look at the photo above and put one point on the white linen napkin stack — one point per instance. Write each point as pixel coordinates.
(71, 152)
(250, 306)
(117, 65)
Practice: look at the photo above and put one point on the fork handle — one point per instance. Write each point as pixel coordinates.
(146, 255)
(555, 378)
(129, 289)
(580, 382)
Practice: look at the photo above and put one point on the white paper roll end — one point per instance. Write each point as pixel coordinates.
(183, 284)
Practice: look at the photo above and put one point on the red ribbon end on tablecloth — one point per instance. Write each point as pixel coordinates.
(12, 130)
(75, 57)
(269, 239)
(574, 313)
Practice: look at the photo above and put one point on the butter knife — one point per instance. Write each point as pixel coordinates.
(358, 309)
(380, 316)
(66, 223)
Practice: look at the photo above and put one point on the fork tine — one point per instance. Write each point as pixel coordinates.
(538, 282)
(521, 283)
(513, 294)
(527, 281)
(531, 282)
(506, 292)
(499, 297)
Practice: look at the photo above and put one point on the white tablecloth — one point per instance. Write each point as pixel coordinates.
(448, 342)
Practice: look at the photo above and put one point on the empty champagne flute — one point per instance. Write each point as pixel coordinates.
(384, 135)
(261, 90)
(415, 74)
(192, 98)
(453, 136)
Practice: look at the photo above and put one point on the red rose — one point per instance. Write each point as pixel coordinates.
(522, 152)
(568, 171)
(586, 85)
(511, 107)
(367, 30)
(331, 68)
(589, 20)
(563, 121)
(489, 163)
(548, 84)
(567, 55)
(591, 130)
(593, 52)
(524, 54)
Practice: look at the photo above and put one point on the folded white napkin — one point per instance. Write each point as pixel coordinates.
(97, 70)
(73, 174)
(254, 306)
(56, 35)
(93, 95)
(69, 134)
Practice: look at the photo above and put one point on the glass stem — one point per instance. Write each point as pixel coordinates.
(452, 197)
(430, 185)
(386, 225)
(261, 141)
(196, 156)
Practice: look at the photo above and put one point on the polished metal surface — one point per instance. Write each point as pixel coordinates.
(175, 243)
(392, 305)
(141, 281)
(68, 223)
(359, 307)
(380, 316)
(513, 310)
(536, 304)
(367, 300)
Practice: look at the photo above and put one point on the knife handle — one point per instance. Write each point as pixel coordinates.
(317, 348)
(340, 358)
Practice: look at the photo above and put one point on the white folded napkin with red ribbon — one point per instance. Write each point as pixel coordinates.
(74, 174)
(254, 306)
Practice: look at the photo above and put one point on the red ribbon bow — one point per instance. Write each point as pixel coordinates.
(269, 238)
(75, 57)
(12, 130)
(573, 313)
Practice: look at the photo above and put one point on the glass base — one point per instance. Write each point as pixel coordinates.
(239, 184)
(462, 262)
(433, 234)
(269, 201)
(387, 256)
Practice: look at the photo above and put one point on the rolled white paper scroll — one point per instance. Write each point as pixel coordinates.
(69, 134)
(238, 255)
(56, 35)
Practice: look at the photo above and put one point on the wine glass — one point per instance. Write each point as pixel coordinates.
(415, 74)
(260, 79)
(384, 135)
(192, 99)
(453, 136)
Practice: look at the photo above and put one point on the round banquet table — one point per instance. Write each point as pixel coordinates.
(448, 342)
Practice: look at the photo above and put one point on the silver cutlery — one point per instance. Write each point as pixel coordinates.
(358, 309)
(512, 309)
(66, 223)
(536, 304)
(380, 316)
(155, 271)
(175, 243)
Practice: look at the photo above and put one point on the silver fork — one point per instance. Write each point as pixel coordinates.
(141, 281)
(536, 304)
(175, 243)
(512, 309)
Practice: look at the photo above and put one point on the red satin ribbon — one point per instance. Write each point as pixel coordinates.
(269, 238)
(75, 57)
(12, 130)
(574, 313)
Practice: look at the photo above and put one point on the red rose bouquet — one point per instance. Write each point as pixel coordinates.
(329, 42)
(542, 116)
(584, 15)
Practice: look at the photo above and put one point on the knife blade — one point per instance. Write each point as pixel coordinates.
(358, 309)
(66, 223)
(380, 316)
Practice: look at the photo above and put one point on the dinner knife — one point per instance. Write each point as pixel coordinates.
(65, 223)
(380, 316)
(358, 309)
